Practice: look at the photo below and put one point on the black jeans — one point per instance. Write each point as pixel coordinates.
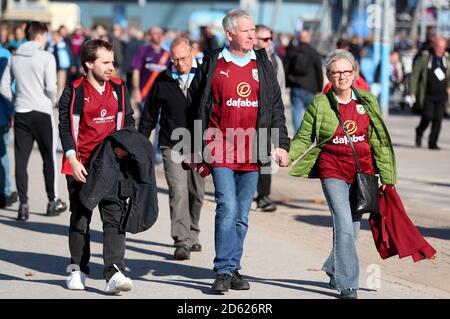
(29, 127)
(433, 111)
(263, 187)
(79, 237)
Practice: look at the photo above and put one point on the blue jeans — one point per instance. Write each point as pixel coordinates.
(5, 177)
(234, 192)
(343, 262)
(300, 99)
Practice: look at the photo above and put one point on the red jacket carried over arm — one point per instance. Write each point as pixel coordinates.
(394, 233)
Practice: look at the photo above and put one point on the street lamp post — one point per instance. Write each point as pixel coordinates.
(423, 21)
(388, 26)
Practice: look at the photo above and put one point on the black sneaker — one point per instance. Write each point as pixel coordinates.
(182, 253)
(23, 212)
(332, 283)
(349, 293)
(434, 147)
(6, 201)
(11, 199)
(54, 208)
(237, 283)
(418, 140)
(264, 204)
(196, 248)
(222, 283)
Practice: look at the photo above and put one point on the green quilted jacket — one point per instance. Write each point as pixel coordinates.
(318, 127)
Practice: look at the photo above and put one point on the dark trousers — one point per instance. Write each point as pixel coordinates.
(433, 111)
(263, 187)
(79, 237)
(30, 127)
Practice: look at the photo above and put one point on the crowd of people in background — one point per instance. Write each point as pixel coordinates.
(65, 46)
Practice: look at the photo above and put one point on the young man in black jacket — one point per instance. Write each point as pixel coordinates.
(171, 96)
(90, 109)
(240, 106)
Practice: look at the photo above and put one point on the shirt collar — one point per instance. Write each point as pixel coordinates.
(176, 75)
(230, 58)
(352, 98)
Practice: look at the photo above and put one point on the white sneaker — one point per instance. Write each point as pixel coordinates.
(118, 283)
(76, 279)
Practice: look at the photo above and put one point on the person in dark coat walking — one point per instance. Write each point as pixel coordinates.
(429, 88)
(170, 101)
(90, 109)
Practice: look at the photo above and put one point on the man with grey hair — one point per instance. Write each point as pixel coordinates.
(238, 93)
(170, 100)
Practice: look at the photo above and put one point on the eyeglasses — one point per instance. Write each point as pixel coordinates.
(183, 59)
(337, 74)
(265, 39)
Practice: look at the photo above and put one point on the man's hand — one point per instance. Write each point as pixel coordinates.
(137, 96)
(281, 157)
(410, 100)
(120, 153)
(79, 172)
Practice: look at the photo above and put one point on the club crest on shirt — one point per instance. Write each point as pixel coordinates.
(360, 109)
(244, 89)
(255, 74)
(115, 95)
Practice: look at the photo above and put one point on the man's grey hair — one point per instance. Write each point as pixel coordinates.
(339, 54)
(179, 40)
(229, 22)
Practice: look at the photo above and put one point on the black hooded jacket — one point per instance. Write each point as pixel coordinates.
(131, 178)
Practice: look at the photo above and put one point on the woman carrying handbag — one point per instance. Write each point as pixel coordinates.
(343, 135)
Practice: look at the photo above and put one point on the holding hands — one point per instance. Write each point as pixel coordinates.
(281, 157)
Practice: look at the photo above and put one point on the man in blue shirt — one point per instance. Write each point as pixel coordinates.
(7, 198)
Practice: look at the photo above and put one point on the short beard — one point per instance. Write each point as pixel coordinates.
(99, 79)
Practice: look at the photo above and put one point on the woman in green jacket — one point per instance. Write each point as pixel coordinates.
(320, 149)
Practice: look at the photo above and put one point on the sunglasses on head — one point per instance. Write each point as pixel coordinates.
(265, 39)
